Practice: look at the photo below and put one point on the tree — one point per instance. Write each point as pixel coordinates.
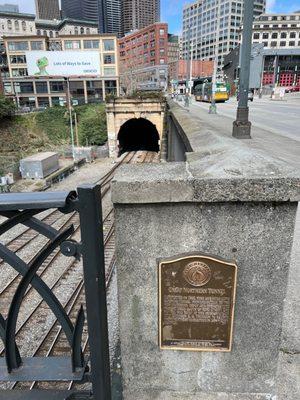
(7, 107)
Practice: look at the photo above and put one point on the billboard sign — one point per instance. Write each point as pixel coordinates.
(63, 63)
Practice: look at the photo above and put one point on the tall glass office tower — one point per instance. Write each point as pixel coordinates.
(201, 19)
(106, 12)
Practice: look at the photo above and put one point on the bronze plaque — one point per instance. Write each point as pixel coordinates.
(196, 303)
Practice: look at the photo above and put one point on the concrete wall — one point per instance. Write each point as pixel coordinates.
(121, 110)
(225, 200)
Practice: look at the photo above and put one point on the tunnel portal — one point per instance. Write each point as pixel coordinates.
(138, 134)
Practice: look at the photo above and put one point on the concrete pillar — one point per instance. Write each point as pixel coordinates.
(86, 100)
(247, 216)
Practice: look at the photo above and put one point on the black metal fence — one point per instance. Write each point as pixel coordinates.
(22, 209)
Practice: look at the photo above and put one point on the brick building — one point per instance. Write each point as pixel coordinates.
(178, 69)
(144, 59)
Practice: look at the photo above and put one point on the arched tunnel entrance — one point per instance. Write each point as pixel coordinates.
(138, 134)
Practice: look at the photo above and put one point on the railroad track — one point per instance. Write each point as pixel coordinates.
(67, 279)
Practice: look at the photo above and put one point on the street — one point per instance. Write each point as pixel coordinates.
(275, 125)
(281, 117)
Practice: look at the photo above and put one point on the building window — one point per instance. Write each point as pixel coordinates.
(41, 87)
(109, 71)
(76, 30)
(72, 44)
(273, 44)
(26, 87)
(23, 25)
(111, 87)
(91, 44)
(20, 59)
(282, 44)
(9, 24)
(161, 32)
(291, 44)
(293, 35)
(109, 45)
(274, 35)
(283, 35)
(19, 72)
(37, 45)
(51, 34)
(17, 26)
(256, 35)
(38, 32)
(56, 86)
(81, 31)
(109, 59)
(265, 36)
(265, 44)
(88, 31)
(8, 88)
(18, 46)
(162, 61)
(45, 33)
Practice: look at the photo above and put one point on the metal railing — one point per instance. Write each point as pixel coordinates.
(23, 208)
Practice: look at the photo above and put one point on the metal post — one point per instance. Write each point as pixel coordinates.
(70, 115)
(92, 248)
(242, 125)
(188, 62)
(213, 106)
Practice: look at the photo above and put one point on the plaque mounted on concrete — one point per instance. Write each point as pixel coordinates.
(196, 302)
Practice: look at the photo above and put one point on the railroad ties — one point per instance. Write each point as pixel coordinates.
(38, 333)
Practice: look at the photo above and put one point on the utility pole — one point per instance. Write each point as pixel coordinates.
(242, 125)
(70, 116)
(213, 106)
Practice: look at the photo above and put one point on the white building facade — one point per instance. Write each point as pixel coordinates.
(277, 30)
(19, 24)
(203, 18)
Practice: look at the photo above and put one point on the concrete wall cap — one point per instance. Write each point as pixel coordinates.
(187, 182)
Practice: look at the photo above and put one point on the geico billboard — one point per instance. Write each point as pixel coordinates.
(63, 63)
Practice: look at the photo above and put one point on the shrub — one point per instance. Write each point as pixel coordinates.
(7, 107)
(92, 125)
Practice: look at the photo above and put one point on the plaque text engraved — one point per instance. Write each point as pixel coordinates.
(196, 303)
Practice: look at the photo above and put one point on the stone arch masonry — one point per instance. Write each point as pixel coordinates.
(119, 111)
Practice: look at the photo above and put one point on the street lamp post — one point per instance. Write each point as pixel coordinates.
(242, 125)
(213, 105)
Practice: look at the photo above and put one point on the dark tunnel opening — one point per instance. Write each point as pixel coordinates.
(138, 134)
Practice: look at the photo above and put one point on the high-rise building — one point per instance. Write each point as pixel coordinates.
(138, 14)
(107, 13)
(113, 16)
(203, 18)
(47, 9)
(9, 8)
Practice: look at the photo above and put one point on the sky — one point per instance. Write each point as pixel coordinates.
(171, 10)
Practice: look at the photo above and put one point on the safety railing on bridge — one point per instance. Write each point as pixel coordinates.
(23, 209)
